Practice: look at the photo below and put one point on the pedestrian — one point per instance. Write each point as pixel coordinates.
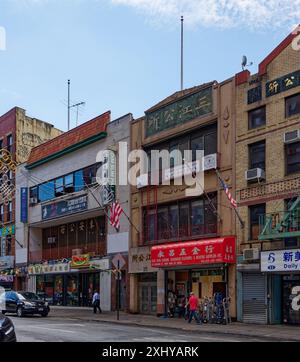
(96, 302)
(193, 304)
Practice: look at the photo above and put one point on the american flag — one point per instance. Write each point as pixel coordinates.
(229, 196)
(115, 213)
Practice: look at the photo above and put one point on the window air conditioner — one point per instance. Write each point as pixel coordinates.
(33, 201)
(290, 137)
(251, 254)
(255, 174)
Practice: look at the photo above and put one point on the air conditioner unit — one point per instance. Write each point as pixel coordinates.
(33, 201)
(77, 252)
(255, 174)
(290, 137)
(142, 181)
(210, 162)
(251, 254)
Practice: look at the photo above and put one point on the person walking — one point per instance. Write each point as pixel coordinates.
(193, 304)
(96, 302)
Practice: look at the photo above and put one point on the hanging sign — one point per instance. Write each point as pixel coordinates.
(280, 260)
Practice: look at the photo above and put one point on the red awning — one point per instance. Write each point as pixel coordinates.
(211, 251)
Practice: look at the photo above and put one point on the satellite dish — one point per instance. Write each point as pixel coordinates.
(244, 62)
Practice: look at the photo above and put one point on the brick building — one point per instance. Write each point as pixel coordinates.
(268, 187)
(68, 242)
(170, 221)
(19, 133)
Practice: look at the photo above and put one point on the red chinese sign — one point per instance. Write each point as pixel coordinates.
(210, 251)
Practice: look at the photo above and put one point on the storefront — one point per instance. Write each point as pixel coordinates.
(282, 270)
(202, 267)
(6, 281)
(69, 283)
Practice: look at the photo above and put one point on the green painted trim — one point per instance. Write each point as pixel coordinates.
(284, 235)
(67, 150)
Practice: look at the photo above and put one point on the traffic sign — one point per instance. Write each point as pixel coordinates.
(118, 261)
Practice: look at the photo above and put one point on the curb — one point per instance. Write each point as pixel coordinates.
(186, 330)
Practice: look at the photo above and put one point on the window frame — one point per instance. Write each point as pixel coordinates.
(286, 105)
(250, 208)
(251, 111)
(287, 172)
(251, 163)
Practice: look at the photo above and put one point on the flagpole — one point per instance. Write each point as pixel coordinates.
(235, 209)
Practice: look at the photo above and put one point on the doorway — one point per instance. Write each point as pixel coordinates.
(148, 298)
(88, 282)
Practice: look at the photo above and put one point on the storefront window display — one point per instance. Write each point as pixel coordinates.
(72, 290)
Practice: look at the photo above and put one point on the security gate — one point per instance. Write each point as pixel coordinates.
(254, 298)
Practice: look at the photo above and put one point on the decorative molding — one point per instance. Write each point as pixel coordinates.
(269, 189)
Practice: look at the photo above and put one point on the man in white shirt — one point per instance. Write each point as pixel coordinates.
(96, 302)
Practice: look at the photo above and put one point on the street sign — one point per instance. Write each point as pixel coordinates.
(118, 261)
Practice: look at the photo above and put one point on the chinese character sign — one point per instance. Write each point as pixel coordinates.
(194, 252)
(280, 260)
(283, 84)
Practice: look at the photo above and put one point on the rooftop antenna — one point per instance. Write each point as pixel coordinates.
(244, 62)
(77, 105)
(182, 22)
(69, 83)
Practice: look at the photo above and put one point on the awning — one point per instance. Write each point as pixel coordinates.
(210, 251)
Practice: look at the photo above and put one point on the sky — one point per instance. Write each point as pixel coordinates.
(124, 55)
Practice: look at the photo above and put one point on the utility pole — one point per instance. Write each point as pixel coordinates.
(181, 73)
(69, 83)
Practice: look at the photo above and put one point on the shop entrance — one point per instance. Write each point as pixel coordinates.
(291, 299)
(88, 282)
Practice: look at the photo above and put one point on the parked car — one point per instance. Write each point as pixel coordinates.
(45, 297)
(23, 303)
(7, 330)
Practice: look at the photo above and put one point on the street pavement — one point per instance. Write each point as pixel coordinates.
(60, 329)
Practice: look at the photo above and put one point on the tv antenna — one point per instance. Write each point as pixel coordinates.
(245, 61)
(77, 105)
(72, 106)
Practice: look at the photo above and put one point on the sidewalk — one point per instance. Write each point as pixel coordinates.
(275, 332)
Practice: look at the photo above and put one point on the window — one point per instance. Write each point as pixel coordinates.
(197, 217)
(1, 144)
(9, 212)
(257, 117)
(292, 105)
(78, 180)
(34, 193)
(182, 219)
(8, 245)
(255, 211)
(46, 191)
(257, 155)
(9, 143)
(69, 183)
(59, 187)
(173, 221)
(197, 144)
(293, 158)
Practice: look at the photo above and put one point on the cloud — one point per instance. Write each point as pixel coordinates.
(221, 13)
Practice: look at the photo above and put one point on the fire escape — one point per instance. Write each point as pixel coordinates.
(282, 224)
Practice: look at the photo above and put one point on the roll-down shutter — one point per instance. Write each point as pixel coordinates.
(254, 298)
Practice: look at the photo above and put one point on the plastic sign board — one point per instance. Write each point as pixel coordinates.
(280, 260)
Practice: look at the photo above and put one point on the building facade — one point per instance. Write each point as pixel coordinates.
(184, 242)
(69, 243)
(268, 186)
(19, 133)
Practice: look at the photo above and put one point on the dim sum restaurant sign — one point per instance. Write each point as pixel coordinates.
(210, 251)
